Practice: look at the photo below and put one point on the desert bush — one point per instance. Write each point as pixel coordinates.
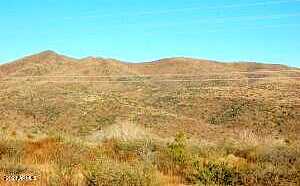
(143, 150)
(230, 163)
(178, 150)
(173, 158)
(106, 172)
(231, 113)
(279, 155)
(268, 174)
(216, 173)
(178, 158)
(120, 150)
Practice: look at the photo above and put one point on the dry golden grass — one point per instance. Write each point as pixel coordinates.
(143, 162)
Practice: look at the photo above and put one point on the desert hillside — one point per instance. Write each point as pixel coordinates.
(53, 102)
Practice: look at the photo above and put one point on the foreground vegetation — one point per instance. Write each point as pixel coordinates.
(57, 160)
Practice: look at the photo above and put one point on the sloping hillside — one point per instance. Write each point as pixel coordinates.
(85, 100)
(175, 93)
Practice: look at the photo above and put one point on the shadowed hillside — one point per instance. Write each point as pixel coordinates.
(176, 121)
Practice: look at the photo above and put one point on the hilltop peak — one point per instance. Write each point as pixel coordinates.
(50, 56)
(48, 53)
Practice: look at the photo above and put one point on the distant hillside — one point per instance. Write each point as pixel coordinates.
(190, 94)
(51, 63)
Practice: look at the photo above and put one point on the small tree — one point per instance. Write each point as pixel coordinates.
(177, 149)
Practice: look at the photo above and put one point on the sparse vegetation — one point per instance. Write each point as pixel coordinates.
(117, 162)
(232, 133)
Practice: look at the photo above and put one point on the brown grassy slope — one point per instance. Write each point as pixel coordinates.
(197, 66)
(83, 106)
(49, 62)
(36, 65)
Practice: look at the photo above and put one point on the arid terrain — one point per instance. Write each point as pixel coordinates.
(176, 121)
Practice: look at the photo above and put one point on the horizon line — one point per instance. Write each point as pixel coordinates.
(141, 62)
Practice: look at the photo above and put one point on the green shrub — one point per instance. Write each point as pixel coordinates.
(178, 150)
(216, 173)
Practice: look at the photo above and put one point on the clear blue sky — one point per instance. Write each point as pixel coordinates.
(135, 30)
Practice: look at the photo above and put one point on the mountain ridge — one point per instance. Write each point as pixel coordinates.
(50, 62)
(179, 58)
